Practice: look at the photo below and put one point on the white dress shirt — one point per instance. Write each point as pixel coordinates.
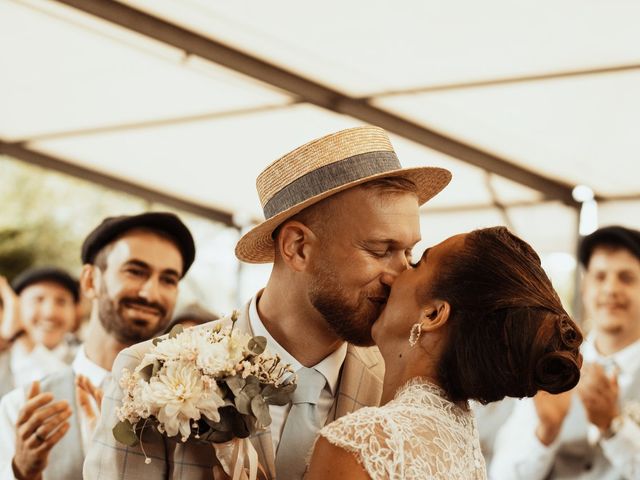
(519, 454)
(12, 403)
(329, 367)
(26, 367)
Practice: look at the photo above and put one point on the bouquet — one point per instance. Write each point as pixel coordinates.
(206, 385)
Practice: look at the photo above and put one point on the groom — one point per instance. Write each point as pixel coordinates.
(341, 221)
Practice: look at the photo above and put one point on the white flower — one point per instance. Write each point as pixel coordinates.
(222, 357)
(132, 408)
(177, 396)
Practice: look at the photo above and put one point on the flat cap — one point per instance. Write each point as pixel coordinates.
(44, 274)
(614, 235)
(165, 222)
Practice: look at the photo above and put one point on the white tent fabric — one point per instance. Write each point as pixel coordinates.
(550, 87)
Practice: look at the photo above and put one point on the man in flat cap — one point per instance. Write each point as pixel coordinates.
(592, 432)
(39, 310)
(342, 217)
(132, 268)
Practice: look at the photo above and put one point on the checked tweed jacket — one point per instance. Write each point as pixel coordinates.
(360, 385)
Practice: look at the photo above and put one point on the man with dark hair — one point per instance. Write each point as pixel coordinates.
(342, 219)
(40, 309)
(593, 431)
(132, 268)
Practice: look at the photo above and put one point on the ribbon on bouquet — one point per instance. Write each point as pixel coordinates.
(234, 454)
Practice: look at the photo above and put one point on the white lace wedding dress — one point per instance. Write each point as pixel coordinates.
(417, 435)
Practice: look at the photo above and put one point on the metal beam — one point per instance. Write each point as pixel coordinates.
(632, 197)
(22, 152)
(161, 122)
(315, 93)
(506, 81)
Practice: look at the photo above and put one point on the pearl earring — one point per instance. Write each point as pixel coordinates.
(414, 336)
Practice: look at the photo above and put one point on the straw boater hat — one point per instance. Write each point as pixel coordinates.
(322, 168)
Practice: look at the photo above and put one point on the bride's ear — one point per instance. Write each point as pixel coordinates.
(436, 315)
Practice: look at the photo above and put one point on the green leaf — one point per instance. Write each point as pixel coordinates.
(176, 330)
(261, 410)
(124, 433)
(217, 436)
(243, 403)
(150, 370)
(278, 395)
(226, 420)
(257, 345)
(240, 428)
(235, 384)
(157, 365)
(252, 387)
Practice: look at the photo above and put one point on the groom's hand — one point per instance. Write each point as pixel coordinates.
(552, 410)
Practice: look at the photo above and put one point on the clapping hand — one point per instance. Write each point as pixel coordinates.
(89, 399)
(599, 395)
(552, 409)
(41, 424)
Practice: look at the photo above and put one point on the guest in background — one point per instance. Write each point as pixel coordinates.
(490, 418)
(593, 431)
(192, 315)
(132, 268)
(39, 310)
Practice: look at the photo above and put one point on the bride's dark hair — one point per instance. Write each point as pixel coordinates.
(508, 332)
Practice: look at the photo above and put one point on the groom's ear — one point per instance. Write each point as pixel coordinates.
(295, 242)
(436, 315)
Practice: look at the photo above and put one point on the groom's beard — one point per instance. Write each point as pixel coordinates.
(349, 320)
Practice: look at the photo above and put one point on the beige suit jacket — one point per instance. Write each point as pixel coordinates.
(360, 385)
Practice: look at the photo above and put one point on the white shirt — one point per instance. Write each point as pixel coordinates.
(12, 403)
(519, 454)
(489, 419)
(27, 367)
(329, 367)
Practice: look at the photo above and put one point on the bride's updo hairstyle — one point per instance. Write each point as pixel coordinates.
(508, 332)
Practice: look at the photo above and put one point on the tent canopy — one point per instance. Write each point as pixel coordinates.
(186, 102)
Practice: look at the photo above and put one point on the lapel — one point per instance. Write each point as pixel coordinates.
(360, 381)
(67, 456)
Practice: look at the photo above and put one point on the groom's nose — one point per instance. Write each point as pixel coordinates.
(398, 264)
(387, 278)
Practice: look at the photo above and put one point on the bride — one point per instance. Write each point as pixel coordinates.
(476, 318)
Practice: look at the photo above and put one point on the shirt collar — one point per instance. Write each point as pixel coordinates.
(83, 366)
(627, 359)
(329, 367)
(21, 358)
(61, 350)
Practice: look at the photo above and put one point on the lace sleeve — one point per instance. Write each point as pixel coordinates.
(363, 433)
(397, 442)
